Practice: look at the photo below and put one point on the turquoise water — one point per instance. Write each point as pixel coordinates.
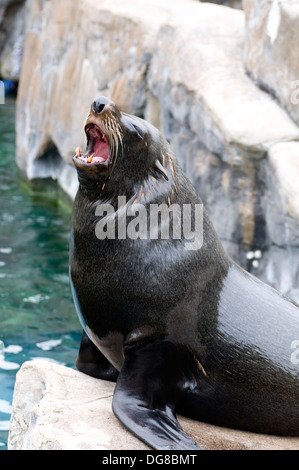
(35, 298)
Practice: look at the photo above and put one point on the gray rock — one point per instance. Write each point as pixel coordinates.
(228, 3)
(271, 51)
(57, 408)
(12, 34)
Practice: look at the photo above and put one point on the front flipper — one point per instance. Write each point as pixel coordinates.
(151, 382)
(91, 361)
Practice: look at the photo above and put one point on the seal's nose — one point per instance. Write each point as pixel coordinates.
(99, 104)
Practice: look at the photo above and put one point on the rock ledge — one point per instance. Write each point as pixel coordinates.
(58, 408)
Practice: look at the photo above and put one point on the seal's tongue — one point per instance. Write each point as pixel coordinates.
(97, 147)
(96, 159)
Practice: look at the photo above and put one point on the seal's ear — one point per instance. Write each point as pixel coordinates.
(159, 168)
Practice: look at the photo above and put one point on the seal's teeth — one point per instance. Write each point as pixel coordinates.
(78, 152)
(89, 160)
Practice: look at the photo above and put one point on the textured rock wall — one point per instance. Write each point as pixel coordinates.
(178, 64)
(271, 51)
(12, 33)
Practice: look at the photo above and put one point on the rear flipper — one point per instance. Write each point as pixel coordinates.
(151, 382)
(91, 361)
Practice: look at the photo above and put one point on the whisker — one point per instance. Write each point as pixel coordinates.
(114, 133)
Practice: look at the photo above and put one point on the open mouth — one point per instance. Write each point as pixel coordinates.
(97, 146)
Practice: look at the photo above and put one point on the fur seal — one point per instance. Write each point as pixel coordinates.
(179, 330)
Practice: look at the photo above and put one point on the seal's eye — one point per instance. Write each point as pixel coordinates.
(134, 125)
(139, 131)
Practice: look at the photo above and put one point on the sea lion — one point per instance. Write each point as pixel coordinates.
(179, 330)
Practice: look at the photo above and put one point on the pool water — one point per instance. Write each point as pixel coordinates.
(37, 315)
